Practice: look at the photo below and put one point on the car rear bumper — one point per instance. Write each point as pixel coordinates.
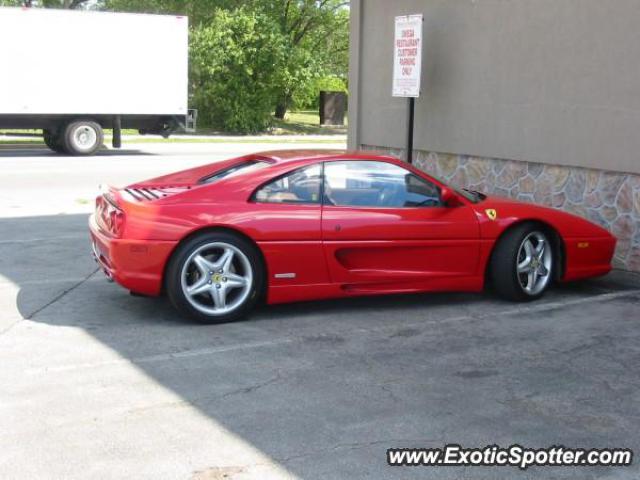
(137, 265)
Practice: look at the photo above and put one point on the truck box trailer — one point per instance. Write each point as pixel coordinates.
(74, 73)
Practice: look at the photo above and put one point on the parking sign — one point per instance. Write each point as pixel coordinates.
(407, 56)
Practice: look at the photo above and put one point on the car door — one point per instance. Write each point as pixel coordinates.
(285, 220)
(384, 227)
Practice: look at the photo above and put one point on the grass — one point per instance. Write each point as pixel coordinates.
(303, 122)
(22, 142)
(310, 117)
(17, 131)
(306, 122)
(266, 139)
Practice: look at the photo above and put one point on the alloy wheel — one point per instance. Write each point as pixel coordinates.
(534, 263)
(216, 278)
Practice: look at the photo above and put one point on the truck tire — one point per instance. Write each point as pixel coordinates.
(82, 137)
(53, 141)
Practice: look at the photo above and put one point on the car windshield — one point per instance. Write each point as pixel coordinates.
(238, 168)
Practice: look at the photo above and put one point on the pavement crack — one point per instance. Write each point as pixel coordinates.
(253, 388)
(386, 387)
(61, 295)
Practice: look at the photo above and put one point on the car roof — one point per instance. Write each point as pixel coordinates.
(286, 156)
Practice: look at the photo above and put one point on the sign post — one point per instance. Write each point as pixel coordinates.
(407, 67)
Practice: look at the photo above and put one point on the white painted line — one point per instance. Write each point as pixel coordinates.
(162, 357)
(46, 239)
(51, 281)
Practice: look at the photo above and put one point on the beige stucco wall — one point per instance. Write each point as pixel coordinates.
(548, 81)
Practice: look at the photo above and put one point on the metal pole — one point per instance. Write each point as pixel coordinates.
(116, 140)
(410, 130)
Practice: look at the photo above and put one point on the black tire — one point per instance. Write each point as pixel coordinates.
(503, 267)
(174, 271)
(53, 141)
(72, 137)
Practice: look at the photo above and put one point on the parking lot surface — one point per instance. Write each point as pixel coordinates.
(95, 383)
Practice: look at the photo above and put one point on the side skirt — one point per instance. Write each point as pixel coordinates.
(300, 293)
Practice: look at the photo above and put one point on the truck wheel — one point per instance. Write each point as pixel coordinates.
(53, 141)
(82, 137)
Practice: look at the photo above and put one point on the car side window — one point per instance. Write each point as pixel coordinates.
(300, 186)
(376, 184)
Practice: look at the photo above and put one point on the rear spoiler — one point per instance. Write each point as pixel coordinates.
(112, 195)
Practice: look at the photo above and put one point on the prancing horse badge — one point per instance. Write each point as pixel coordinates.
(491, 213)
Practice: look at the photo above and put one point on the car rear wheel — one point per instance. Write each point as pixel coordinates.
(215, 277)
(522, 264)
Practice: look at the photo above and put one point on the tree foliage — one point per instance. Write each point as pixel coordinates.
(316, 35)
(198, 11)
(68, 4)
(233, 59)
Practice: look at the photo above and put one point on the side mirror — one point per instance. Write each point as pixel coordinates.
(449, 197)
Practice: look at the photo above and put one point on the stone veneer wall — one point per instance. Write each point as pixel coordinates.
(607, 198)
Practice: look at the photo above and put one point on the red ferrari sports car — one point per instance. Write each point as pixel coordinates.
(298, 225)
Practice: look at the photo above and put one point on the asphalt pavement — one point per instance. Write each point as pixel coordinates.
(95, 383)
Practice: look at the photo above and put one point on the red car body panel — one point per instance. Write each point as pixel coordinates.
(333, 251)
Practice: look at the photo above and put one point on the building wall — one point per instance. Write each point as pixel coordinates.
(537, 100)
(549, 81)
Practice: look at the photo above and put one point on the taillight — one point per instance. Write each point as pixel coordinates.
(116, 221)
(111, 214)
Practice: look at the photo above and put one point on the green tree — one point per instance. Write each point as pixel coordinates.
(198, 11)
(316, 33)
(68, 4)
(233, 58)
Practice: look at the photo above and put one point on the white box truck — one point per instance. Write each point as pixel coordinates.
(74, 73)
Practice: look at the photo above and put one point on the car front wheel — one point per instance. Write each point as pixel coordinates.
(215, 277)
(522, 264)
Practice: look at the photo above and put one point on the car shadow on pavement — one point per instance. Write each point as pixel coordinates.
(324, 388)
